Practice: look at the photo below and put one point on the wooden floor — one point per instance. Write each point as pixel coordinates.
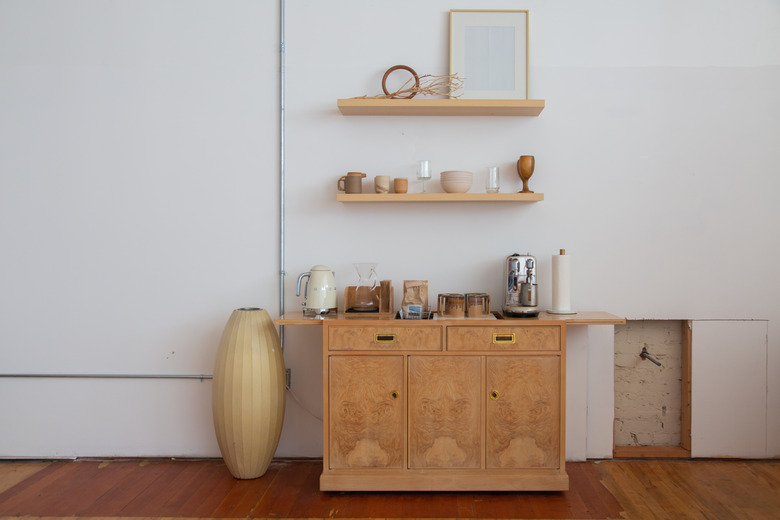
(634, 489)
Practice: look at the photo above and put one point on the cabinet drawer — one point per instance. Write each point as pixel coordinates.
(503, 338)
(384, 338)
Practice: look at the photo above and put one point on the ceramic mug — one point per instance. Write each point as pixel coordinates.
(352, 182)
(401, 184)
(382, 184)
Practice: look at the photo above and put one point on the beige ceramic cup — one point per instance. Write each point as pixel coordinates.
(401, 184)
(382, 184)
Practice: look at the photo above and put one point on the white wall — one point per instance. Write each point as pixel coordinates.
(138, 207)
(138, 161)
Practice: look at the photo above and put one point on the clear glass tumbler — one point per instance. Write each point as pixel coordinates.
(493, 184)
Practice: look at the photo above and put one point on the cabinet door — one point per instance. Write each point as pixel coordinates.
(366, 412)
(523, 412)
(444, 411)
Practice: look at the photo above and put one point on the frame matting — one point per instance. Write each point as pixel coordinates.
(489, 52)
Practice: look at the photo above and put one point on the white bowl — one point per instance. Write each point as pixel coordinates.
(455, 181)
(456, 187)
(456, 175)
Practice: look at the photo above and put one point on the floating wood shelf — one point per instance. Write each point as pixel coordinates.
(440, 107)
(439, 197)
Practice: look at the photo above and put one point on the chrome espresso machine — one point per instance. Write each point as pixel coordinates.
(520, 291)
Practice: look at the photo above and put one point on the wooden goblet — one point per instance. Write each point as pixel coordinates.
(525, 168)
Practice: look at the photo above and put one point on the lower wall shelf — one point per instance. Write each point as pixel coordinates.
(440, 197)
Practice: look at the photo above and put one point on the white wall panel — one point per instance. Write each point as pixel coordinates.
(601, 391)
(576, 392)
(729, 389)
(138, 208)
(69, 418)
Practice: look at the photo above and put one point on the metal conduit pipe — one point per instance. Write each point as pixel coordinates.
(282, 272)
(111, 376)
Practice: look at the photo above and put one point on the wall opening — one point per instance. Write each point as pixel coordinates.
(652, 389)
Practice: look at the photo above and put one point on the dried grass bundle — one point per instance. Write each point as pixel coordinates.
(429, 85)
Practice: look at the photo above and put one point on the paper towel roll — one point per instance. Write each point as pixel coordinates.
(561, 284)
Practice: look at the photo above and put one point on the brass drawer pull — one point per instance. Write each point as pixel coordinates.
(385, 338)
(394, 394)
(494, 395)
(504, 338)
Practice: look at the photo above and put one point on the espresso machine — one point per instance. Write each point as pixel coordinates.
(520, 292)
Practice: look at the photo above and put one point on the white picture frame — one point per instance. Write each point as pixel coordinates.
(489, 52)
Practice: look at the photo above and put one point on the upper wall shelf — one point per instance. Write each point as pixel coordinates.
(440, 107)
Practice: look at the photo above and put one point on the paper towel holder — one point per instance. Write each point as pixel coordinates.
(561, 285)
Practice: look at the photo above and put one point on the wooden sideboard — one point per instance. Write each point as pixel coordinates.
(444, 404)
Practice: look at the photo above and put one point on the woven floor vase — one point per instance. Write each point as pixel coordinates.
(248, 392)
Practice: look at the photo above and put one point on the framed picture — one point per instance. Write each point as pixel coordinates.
(489, 52)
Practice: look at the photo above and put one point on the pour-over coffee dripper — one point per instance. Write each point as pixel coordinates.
(366, 298)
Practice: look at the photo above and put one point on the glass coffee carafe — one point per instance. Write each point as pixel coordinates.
(366, 297)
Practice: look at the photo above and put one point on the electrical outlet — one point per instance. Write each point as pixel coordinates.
(288, 378)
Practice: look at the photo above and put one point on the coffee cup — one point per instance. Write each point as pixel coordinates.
(401, 184)
(352, 182)
(382, 184)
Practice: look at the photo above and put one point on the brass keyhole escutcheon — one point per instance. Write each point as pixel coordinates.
(394, 394)
(494, 395)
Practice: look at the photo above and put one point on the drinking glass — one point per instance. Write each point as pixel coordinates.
(423, 172)
(492, 185)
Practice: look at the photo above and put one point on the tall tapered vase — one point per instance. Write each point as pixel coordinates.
(248, 392)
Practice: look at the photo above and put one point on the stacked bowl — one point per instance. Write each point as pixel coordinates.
(454, 181)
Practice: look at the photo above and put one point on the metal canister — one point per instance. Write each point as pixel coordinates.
(528, 296)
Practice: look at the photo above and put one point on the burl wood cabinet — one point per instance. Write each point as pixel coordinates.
(443, 405)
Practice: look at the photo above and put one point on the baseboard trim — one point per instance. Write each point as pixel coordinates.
(650, 452)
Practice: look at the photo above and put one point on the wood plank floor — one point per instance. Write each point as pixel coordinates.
(634, 489)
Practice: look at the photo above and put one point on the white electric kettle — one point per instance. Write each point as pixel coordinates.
(319, 295)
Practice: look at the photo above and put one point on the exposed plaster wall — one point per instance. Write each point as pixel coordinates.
(647, 397)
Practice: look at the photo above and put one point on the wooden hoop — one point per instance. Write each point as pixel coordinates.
(401, 67)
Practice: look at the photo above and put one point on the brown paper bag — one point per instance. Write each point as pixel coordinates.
(415, 293)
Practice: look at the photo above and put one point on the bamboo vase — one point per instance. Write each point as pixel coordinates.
(248, 392)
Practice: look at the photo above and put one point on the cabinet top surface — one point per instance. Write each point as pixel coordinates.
(579, 318)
